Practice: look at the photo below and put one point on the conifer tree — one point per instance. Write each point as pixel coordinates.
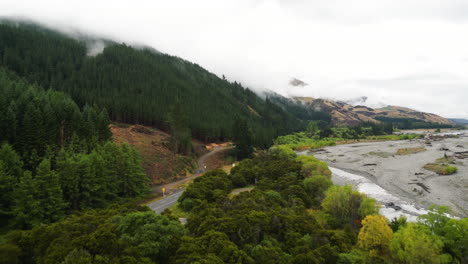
(31, 138)
(7, 185)
(242, 139)
(27, 209)
(181, 137)
(48, 193)
(12, 123)
(11, 161)
(102, 126)
(10, 174)
(132, 179)
(68, 170)
(51, 125)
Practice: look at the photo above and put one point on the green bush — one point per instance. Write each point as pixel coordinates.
(313, 167)
(441, 169)
(450, 170)
(283, 151)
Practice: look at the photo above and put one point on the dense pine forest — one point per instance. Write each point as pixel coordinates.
(140, 85)
(56, 158)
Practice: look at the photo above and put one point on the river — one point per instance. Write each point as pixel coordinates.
(394, 180)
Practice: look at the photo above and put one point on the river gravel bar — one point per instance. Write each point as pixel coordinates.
(404, 175)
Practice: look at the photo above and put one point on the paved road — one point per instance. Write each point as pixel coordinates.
(162, 204)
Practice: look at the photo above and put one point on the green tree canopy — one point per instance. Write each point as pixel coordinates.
(415, 244)
(154, 236)
(346, 206)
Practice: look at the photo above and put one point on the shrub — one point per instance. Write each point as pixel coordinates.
(441, 169)
(450, 170)
(409, 151)
(312, 167)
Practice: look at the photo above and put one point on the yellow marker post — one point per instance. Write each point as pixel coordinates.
(164, 191)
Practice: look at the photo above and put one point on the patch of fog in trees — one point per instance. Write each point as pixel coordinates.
(94, 48)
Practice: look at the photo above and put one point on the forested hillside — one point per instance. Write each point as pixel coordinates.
(56, 158)
(140, 85)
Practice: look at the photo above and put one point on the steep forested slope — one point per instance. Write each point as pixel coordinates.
(139, 85)
(56, 158)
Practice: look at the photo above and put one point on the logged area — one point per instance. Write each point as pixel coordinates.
(160, 163)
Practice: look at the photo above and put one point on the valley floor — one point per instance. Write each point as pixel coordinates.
(404, 175)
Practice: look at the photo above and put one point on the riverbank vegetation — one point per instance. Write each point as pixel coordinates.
(317, 137)
(293, 202)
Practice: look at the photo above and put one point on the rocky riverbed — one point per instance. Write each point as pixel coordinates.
(399, 181)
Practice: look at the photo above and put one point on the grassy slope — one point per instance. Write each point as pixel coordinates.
(345, 113)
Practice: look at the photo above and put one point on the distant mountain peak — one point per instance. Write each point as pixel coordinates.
(296, 82)
(459, 121)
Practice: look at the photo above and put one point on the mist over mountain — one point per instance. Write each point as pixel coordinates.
(97, 52)
(138, 84)
(357, 101)
(349, 50)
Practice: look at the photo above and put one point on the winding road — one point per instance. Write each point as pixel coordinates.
(174, 193)
(160, 205)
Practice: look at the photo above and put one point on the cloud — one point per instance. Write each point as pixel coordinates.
(409, 53)
(95, 47)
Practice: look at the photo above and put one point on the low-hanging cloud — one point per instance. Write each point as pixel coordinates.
(399, 52)
(95, 47)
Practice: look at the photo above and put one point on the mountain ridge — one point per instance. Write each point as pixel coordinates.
(344, 113)
(460, 121)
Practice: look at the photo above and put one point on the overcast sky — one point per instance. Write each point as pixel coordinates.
(411, 53)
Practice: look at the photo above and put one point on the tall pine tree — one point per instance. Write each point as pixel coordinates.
(48, 193)
(7, 185)
(181, 137)
(10, 174)
(27, 209)
(242, 139)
